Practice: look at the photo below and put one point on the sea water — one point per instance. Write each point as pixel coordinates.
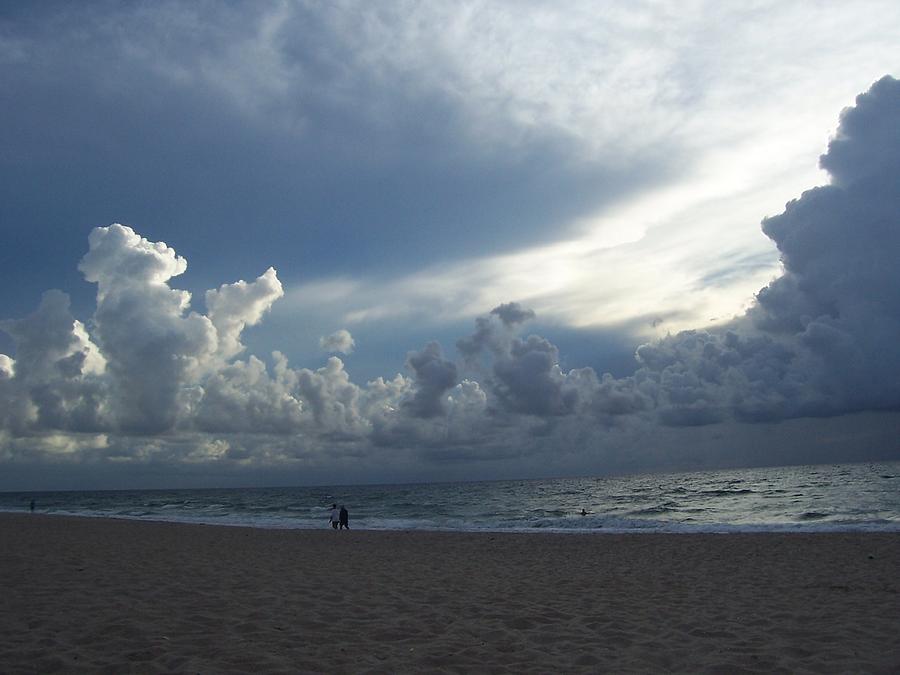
(848, 497)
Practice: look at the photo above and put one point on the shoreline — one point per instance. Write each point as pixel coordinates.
(673, 529)
(93, 594)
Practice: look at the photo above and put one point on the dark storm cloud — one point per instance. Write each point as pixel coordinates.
(839, 298)
(434, 376)
(865, 148)
(494, 332)
(524, 375)
(528, 379)
(512, 313)
(821, 339)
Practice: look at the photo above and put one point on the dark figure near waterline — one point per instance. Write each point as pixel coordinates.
(31, 506)
(335, 516)
(344, 518)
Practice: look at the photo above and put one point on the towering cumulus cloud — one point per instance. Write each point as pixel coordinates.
(435, 375)
(56, 380)
(153, 347)
(839, 297)
(821, 339)
(148, 378)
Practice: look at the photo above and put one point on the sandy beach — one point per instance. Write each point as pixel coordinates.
(108, 596)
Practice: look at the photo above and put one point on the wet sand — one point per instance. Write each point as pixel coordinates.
(112, 596)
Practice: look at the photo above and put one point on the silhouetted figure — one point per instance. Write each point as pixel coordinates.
(344, 518)
(31, 506)
(335, 516)
(583, 512)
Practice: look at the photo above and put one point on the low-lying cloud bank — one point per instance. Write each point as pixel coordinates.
(151, 381)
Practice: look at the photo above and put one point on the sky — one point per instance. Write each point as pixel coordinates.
(284, 243)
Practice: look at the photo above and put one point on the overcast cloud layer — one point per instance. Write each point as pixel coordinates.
(477, 240)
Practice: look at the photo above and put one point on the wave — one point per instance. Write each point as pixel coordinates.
(572, 525)
(752, 500)
(668, 507)
(813, 515)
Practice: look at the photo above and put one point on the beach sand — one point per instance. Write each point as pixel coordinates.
(108, 596)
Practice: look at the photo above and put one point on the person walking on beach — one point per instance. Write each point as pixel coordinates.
(335, 516)
(344, 518)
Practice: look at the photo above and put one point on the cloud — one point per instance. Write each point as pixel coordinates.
(524, 376)
(865, 147)
(152, 345)
(118, 257)
(277, 130)
(149, 379)
(7, 368)
(494, 333)
(528, 379)
(512, 313)
(235, 306)
(303, 116)
(242, 397)
(334, 400)
(434, 376)
(819, 339)
(340, 341)
(838, 301)
(816, 342)
(56, 380)
(151, 354)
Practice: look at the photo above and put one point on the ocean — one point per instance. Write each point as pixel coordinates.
(846, 497)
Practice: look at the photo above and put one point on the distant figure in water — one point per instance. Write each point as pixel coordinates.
(335, 516)
(583, 512)
(344, 518)
(31, 506)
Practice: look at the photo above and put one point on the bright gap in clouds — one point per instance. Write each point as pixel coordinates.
(688, 255)
(684, 252)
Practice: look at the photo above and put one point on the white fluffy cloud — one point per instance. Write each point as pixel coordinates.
(340, 341)
(235, 306)
(56, 381)
(153, 345)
